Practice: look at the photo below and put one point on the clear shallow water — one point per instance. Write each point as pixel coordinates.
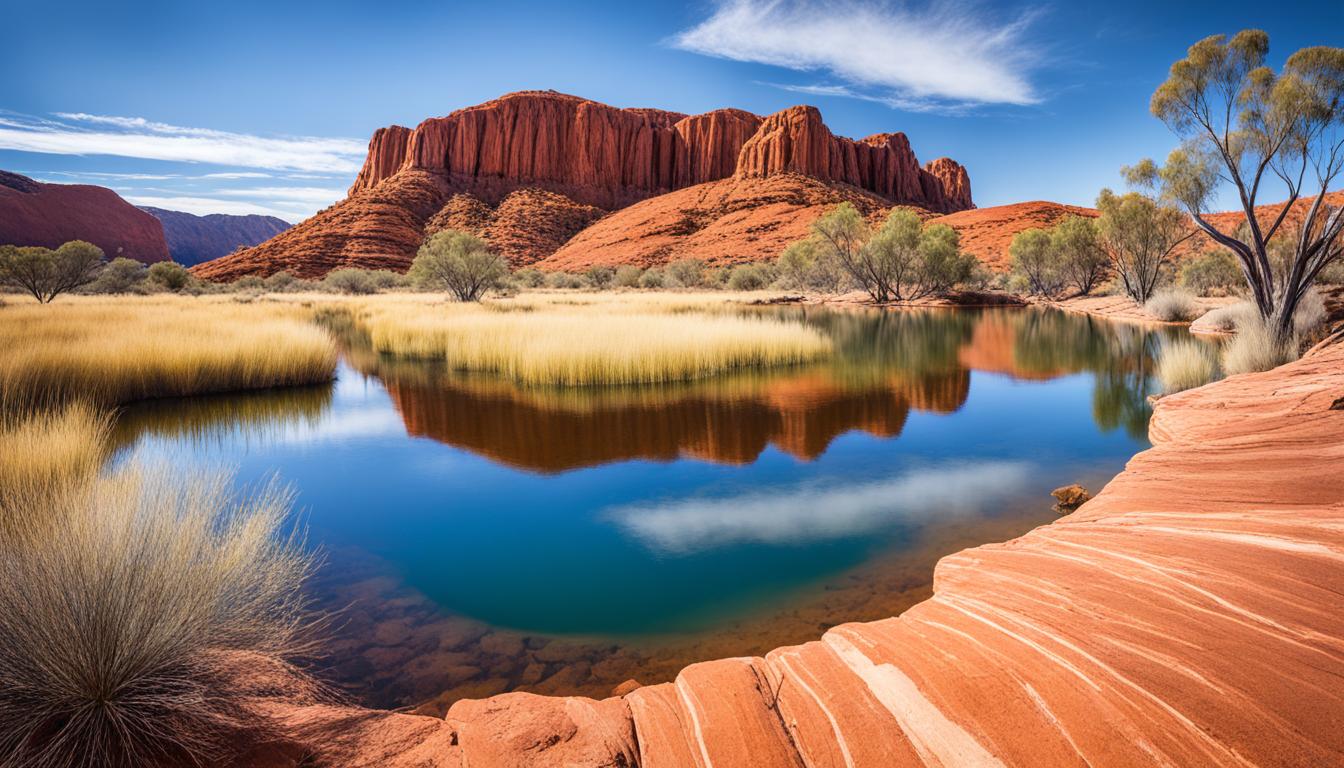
(482, 537)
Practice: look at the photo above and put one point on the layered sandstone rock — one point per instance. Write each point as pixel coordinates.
(593, 156)
(34, 213)
(1190, 614)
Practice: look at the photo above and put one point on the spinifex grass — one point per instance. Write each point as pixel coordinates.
(110, 351)
(539, 342)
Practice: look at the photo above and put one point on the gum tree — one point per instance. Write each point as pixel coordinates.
(1243, 124)
(459, 262)
(45, 273)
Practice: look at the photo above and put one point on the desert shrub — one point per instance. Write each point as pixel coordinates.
(1228, 319)
(806, 264)
(349, 280)
(1080, 258)
(653, 277)
(120, 275)
(458, 262)
(943, 265)
(1310, 313)
(1036, 262)
(169, 275)
(529, 278)
(689, 273)
(249, 283)
(389, 280)
(563, 280)
(44, 273)
(1212, 273)
(715, 277)
(281, 282)
(1172, 305)
(628, 276)
(1184, 365)
(600, 277)
(748, 277)
(1256, 348)
(136, 611)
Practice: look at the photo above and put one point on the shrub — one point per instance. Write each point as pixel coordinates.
(563, 280)
(1255, 348)
(253, 283)
(600, 277)
(46, 274)
(459, 262)
(1036, 262)
(943, 265)
(688, 272)
(628, 276)
(134, 610)
(1184, 365)
(716, 277)
(529, 278)
(169, 274)
(748, 277)
(1212, 273)
(351, 281)
(120, 275)
(280, 282)
(1228, 319)
(652, 278)
(1172, 305)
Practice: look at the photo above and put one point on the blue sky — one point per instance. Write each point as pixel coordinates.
(267, 107)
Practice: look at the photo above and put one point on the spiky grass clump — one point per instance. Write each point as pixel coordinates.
(603, 343)
(1184, 365)
(110, 351)
(1227, 319)
(1172, 305)
(1255, 348)
(139, 613)
(46, 451)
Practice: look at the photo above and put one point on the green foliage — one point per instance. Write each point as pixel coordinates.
(563, 280)
(352, 281)
(281, 281)
(689, 273)
(943, 265)
(1083, 263)
(652, 278)
(1139, 234)
(600, 277)
(628, 276)
(1212, 273)
(529, 278)
(120, 275)
(902, 260)
(169, 275)
(749, 277)
(1036, 262)
(46, 274)
(458, 262)
(254, 283)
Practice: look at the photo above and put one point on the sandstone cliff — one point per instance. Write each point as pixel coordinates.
(193, 239)
(583, 159)
(34, 213)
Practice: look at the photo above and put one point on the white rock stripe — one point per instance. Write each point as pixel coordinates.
(688, 701)
(796, 677)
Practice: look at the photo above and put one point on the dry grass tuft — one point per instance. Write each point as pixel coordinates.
(46, 451)
(139, 613)
(1173, 305)
(1254, 348)
(592, 340)
(1184, 365)
(109, 351)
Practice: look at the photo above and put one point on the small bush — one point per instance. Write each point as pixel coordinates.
(564, 281)
(600, 277)
(529, 278)
(458, 262)
(1310, 313)
(1213, 273)
(1255, 348)
(120, 275)
(748, 277)
(249, 284)
(280, 282)
(1172, 305)
(169, 274)
(687, 272)
(351, 281)
(1184, 365)
(652, 278)
(628, 276)
(1228, 319)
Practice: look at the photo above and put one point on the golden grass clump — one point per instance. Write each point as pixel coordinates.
(605, 341)
(49, 450)
(141, 612)
(1255, 348)
(1184, 365)
(1172, 305)
(116, 350)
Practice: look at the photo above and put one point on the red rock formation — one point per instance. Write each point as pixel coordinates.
(34, 213)
(193, 239)
(1190, 614)
(526, 223)
(986, 233)
(598, 156)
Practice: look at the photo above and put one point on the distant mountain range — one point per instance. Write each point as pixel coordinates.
(193, 239)
(37, 213)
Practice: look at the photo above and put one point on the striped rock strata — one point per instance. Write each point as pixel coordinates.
(1191, 614)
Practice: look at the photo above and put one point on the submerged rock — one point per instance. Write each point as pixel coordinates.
(1070, 497)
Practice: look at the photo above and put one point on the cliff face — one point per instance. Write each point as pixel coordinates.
(34, 213)
(193, 239)
(597, 157)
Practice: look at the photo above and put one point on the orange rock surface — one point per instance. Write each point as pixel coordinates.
(1189, 614)
(579, 159)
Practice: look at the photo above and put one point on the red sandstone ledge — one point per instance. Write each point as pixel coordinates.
(1191, 614)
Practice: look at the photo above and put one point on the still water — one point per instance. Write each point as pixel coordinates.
(482, 537)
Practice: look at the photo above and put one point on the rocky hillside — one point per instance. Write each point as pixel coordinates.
(532, 170)
(193, 239)
(35, 213)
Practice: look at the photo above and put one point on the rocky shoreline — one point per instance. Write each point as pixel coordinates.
(1191, 613)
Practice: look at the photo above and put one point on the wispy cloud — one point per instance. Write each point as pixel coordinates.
(78, 133)
(939, 56)
(810, 513)
(202, 206)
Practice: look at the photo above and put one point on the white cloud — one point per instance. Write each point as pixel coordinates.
(319, 196)
(145, 139)
(810, 513)
(927, 57)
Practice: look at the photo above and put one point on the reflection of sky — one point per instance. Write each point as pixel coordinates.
(798, 514)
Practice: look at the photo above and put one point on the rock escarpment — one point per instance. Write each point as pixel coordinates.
(193, 239)
(1189, 614)
(35, 213)
(586, 155)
